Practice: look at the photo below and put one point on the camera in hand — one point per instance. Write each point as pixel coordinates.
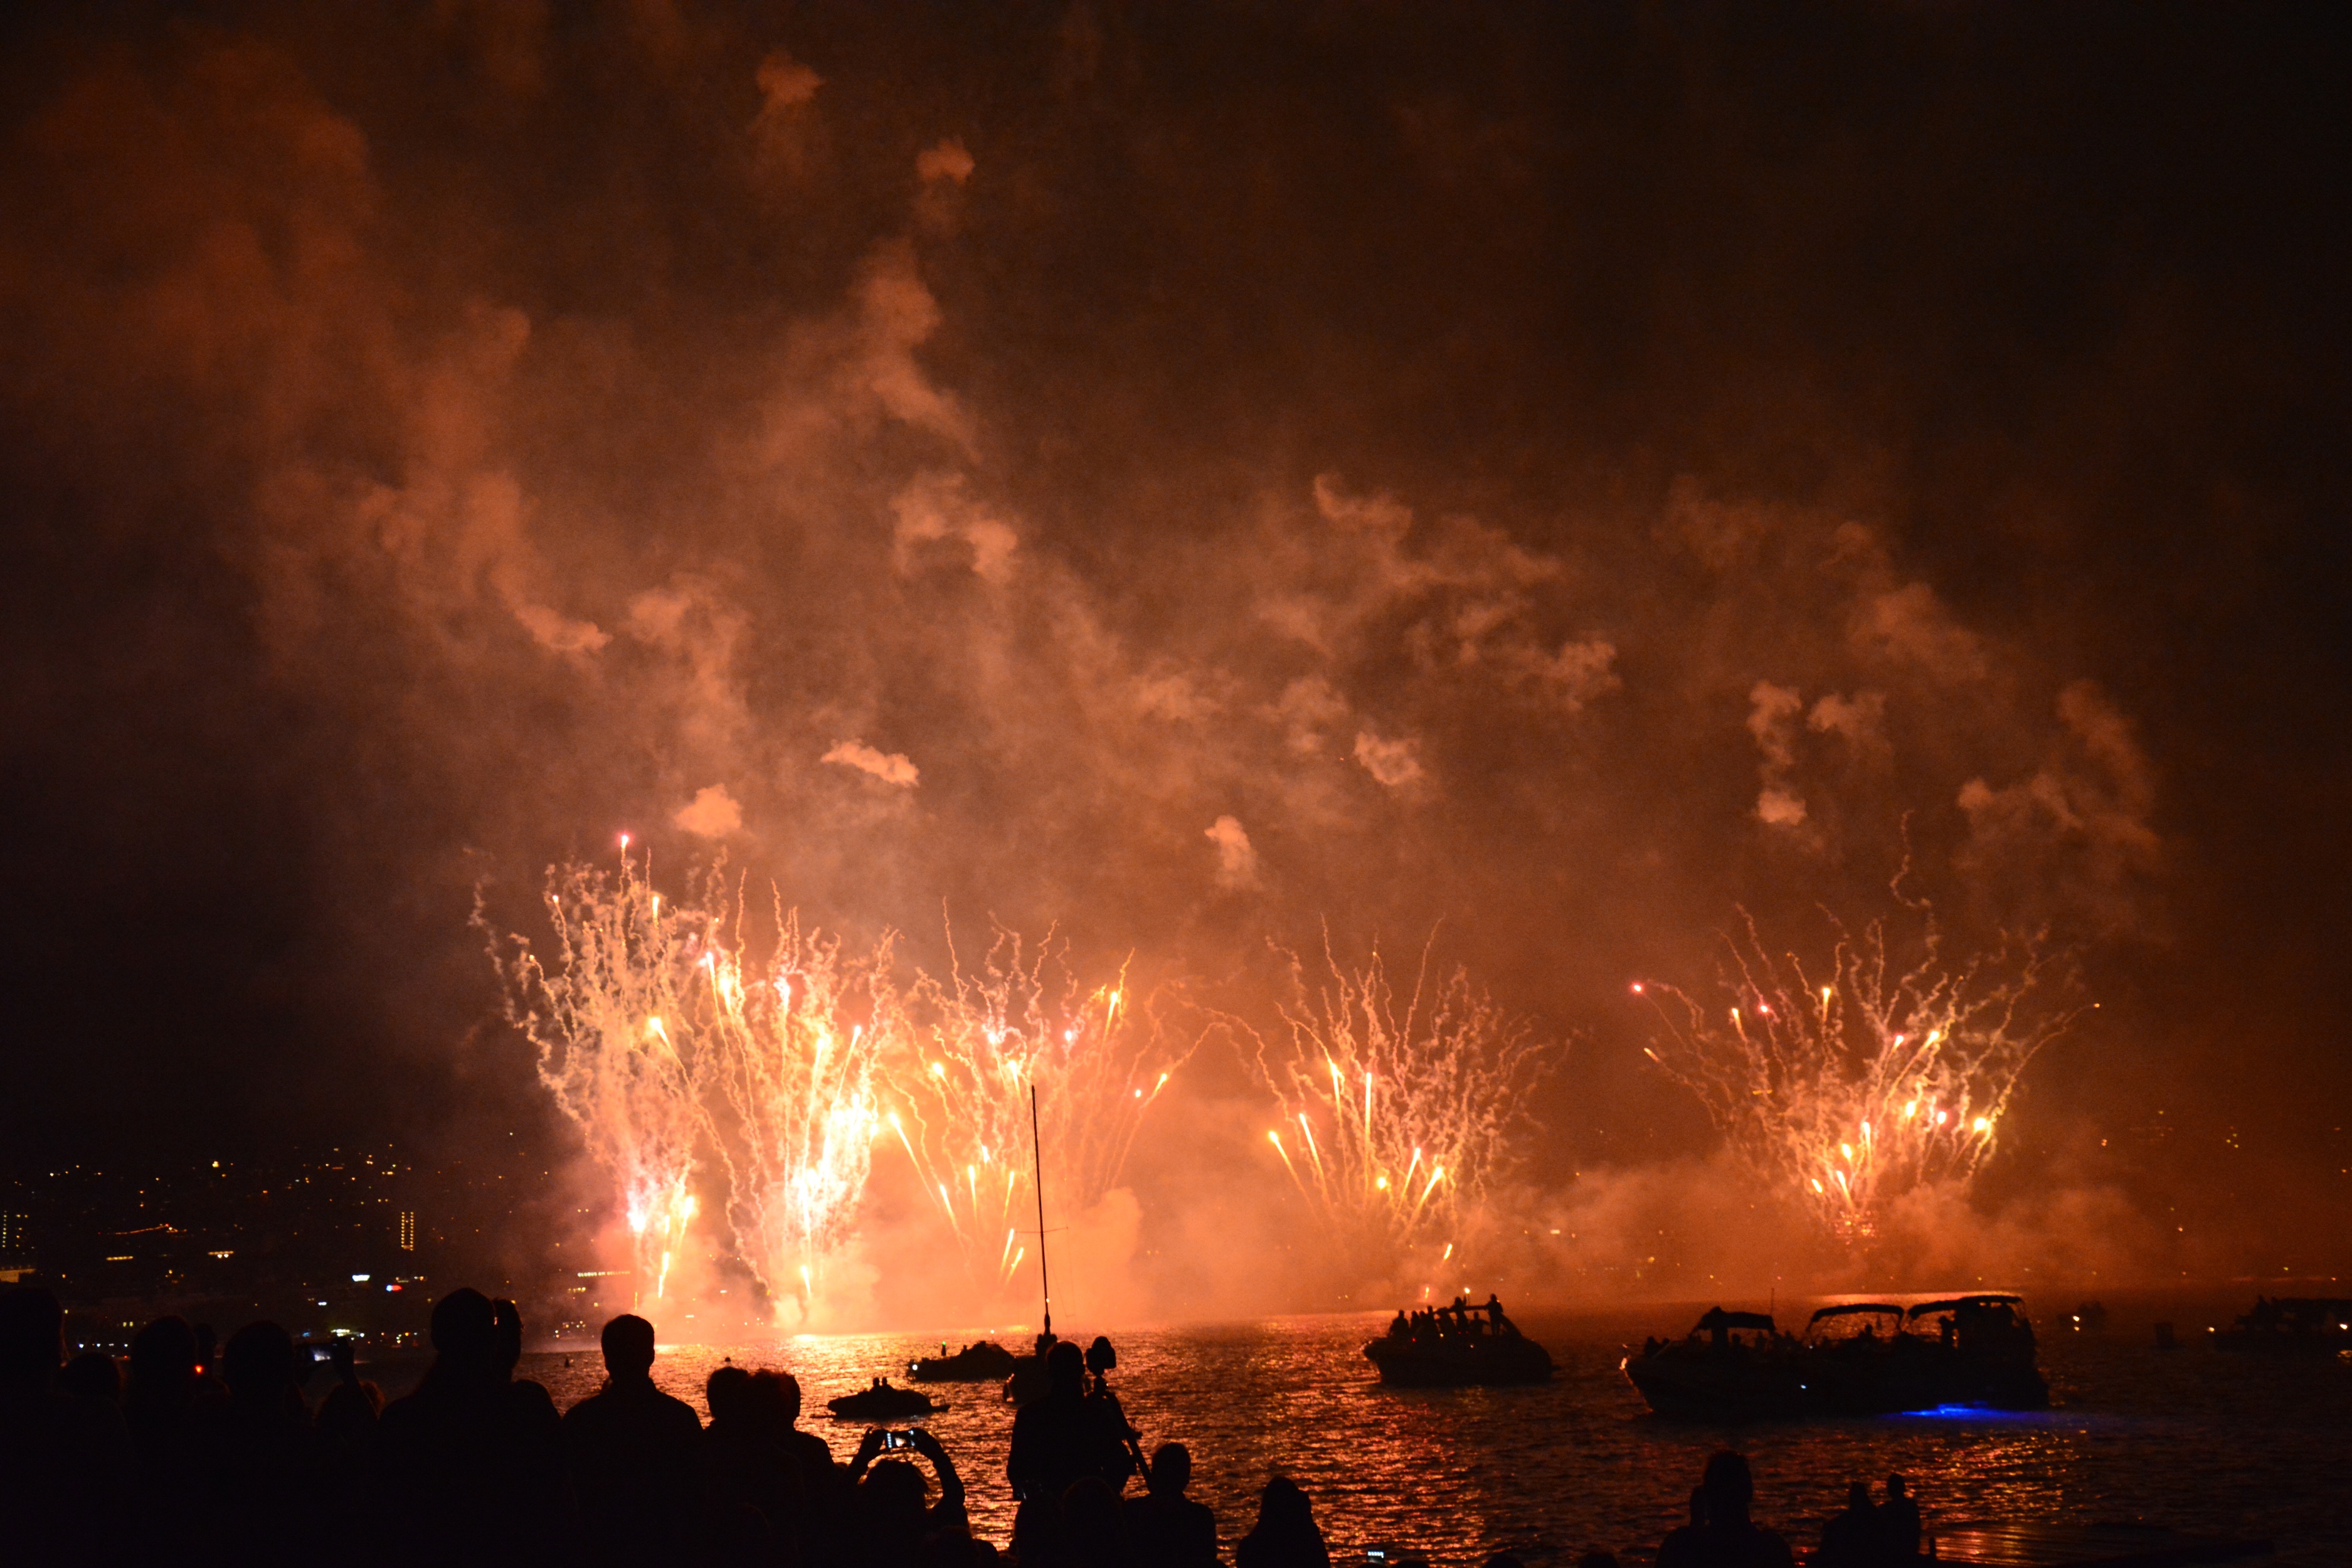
(897, 1440)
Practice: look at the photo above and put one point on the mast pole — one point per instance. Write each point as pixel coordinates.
(1037, 1155)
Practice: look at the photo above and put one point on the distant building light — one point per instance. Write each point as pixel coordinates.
(599, 1273)
(361, 1279)
(124, 1258)
(393, 1286)
(226, 1252)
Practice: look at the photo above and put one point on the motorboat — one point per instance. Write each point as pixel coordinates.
(984, 1360)
(1859, 1358)
(1458, 1347)
(882, 1402)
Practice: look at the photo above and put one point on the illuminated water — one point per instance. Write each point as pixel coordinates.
(2196, 1440)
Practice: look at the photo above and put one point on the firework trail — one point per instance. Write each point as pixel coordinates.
(1394, 1124)
(797, 1079)
(609, 1019)
(1861, 1080)
(658, 1034)
(978, 1040)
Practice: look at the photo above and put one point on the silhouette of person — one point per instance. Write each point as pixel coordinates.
(258, 1460)
(889, 1524)
(1495, 1319)
(1728, 1539)
(1850, 1539)
(632, 1450)
(532, 1401)
(461, 1477)
(1286, 1535)
(1056, 1440)
(1398, 1326)
(1898, 1522)
(1165, 1529)
(1597, 1560)
(754, 1498)
(779, 1394)
(1123, 1456)
(1683, 1539)
(64, 1460)
(1092, 1533)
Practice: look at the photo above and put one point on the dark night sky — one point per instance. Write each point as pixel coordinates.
(1954, 353)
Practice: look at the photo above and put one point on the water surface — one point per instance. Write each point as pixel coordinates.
(2196, 1440)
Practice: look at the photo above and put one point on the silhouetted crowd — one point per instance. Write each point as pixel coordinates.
(206, 1458)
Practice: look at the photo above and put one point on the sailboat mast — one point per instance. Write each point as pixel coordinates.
(1037, 1155)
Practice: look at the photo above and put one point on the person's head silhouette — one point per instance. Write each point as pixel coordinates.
(1283, 1506)
(163, 1359)
(1729, 1487)
(628, 1348)
(1065, 1369)
(258, 1365)
(779, 1395)
(1857, 1496)
(732, 1399)
(1895, 1487)
(1171, 1469)
(466, 1332)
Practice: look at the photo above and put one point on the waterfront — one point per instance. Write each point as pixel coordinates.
(2195, 1440)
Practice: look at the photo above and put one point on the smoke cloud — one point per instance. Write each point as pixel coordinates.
(1550, 482)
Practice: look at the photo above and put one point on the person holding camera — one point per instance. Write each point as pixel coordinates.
(888, 1522)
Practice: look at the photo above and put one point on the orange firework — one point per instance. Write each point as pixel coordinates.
(959, 1093)
(1394, 1123)
(1859, 1080)
(610, 1020)
(659, 1034)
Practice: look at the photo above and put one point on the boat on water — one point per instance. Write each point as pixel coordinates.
(1459, 1346)
(983, 1360)
(1860, 1358)
(2291, 1325)
(882, 1402)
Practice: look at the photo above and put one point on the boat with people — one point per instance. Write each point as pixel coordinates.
(881, 1401)
(1854, 1358)
(983, 1360)
(2291, 1325)
(1457, 1346)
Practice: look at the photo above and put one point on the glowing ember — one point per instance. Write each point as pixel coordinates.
(1394, 1126)
(981, 1039)
(797, 1079)
(1854, 1086)
(610, 1020)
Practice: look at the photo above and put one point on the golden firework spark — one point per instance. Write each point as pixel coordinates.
(659, 1033)
(977, 1042)
(607, 1020)
(1855, 1082)
(1394, 1122)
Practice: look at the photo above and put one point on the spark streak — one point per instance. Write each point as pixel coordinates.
(1895, 1079)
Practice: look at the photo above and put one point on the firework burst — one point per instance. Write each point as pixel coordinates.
(610, 1017)
(1856, 1079)
(977, 1042)
(1394, 1115)
(796, 1069)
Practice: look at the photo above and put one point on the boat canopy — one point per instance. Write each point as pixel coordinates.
(1957, 1302)
(1716, 1318)
(1882, 1308)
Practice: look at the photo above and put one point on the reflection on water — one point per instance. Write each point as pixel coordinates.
(2196, 1440)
